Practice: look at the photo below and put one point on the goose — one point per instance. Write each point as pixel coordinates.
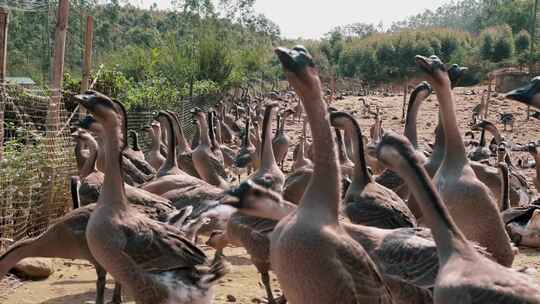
(367, 202)
(507, 119)
(388, 178)
(469, 200)
(207, 162)
(155, 158)
(91, 179)
(70, 231)
(170, 166)
(227, 135)
(269, 169)
(64, 239)
(228, 153)
(281, 141)
(407, 257)
(464, 275)
(482, 152)
(347, 166)
(300, 159)
(184, 157)
(527, 94)
(135, 152)
(119, 236)
(247, 155)
(518, 183)
(133, 176)
(136, 156)
(314, 260)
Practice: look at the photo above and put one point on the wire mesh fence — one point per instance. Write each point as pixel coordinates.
(37, 157)
(35, 161)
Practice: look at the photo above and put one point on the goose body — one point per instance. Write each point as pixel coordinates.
(312, 236)
(157, 264)
(464, 276)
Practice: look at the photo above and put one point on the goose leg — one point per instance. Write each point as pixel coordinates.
(100, 284)
(218, 255)
(117, 294)
(265, 278)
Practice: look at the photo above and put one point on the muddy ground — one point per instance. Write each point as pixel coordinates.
(74, 281)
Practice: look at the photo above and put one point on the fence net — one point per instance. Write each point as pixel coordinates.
(38, 159)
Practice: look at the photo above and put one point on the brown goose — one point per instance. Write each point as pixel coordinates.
(247, 155)
(155, 158)
(482, 152)
(347, 166)
(208, 164)
(269, 170)
(185, 159)
(135, 152)
(367, 202)
(227, 153)
(91, 179)
(301, 160)
(151, 259)
(469, 200)
(464, 275)
(170, 166)
(133, 176)
(314, 260)
(227, 135)
(66, 237)
(388, 178)
(281, 141)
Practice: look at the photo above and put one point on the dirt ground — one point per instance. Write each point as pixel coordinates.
(74, 281)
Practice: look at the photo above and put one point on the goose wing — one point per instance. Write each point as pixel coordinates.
(159, 247)
(217, 165)
(185, 162)
(409, 255)
(379, 207)
(362, 282)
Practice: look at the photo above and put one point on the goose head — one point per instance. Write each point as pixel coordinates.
(434, 68)
(110, 113)
(299, 69)
(421, 92)
(455, 73)
(526, 94)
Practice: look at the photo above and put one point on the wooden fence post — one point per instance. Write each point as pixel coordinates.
(87, 64)
(3, 60)
(53, 114)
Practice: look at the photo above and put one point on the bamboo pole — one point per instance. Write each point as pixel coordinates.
(87, 63)
(3, 62)
(53, 114)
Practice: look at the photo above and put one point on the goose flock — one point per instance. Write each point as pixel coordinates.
(359, 219)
